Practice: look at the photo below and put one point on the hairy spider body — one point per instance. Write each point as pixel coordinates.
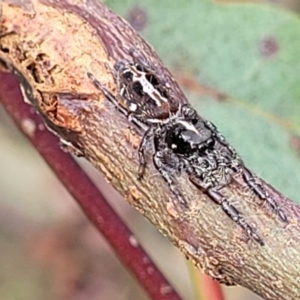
(183, 141)
(189, 145)
(139, 81)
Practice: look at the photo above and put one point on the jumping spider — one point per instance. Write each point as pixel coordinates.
(183, 141)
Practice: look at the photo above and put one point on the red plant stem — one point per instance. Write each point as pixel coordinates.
(210, 289)
(98, 211)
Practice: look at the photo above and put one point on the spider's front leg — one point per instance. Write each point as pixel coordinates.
(143, 144)
(258, 189)
(166, 164)
(107, 94)
(223, 141)
(215, 195)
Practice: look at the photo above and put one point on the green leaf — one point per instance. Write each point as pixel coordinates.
(251, 55)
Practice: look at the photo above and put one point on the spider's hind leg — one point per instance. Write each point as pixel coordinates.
(165, 169)
(143, 144)
(214, 194)
(233, 214)
(258, 189)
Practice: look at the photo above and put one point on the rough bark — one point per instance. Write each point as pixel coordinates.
(85, 193)
(51, 62)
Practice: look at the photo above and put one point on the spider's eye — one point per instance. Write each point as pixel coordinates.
(202, 147)
(181, 140)
(210, 143)
(194, 121)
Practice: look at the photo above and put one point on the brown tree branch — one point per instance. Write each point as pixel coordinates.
(52, 62)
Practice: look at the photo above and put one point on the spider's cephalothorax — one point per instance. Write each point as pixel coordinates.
(183, 141)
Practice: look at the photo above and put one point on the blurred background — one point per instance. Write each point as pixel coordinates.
(238, 62)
